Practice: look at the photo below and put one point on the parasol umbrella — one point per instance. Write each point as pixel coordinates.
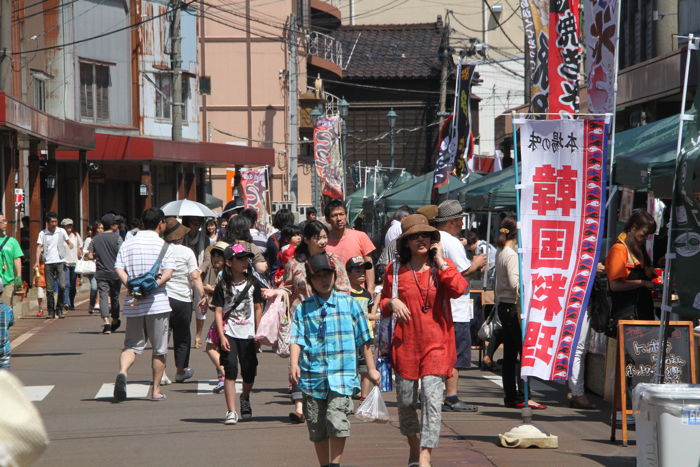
(185, 207)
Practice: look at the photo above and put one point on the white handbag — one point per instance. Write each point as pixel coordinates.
(85, 266)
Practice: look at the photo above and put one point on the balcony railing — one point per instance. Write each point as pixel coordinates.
(330, 106)
(326, 47)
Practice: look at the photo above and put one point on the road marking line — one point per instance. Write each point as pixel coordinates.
(495, 380)
(24, 337)
(37, 393)
(133, 391)
(205, 386)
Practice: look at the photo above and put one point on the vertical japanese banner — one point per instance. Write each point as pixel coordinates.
(564, 53)
(536, 24)
(463, 119)
(327, 157)
(562, 208)
(254, 185)
(600, 39)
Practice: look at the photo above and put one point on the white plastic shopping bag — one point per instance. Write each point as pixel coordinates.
(373, 409)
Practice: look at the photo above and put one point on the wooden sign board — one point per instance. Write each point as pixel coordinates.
(638, 346)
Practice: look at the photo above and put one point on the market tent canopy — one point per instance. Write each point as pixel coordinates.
(354, 201)
(492, 192)
(640, 151)
(416, 193)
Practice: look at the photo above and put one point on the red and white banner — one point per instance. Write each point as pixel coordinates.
(562, 207)
(600, 38)
(564, 53)
(327, 157)
(254, 184)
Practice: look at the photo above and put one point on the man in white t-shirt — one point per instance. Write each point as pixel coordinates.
(72, 257)
(147, 318)
(52, 244)
(449, 221)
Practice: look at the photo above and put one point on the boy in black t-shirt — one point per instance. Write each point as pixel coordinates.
(356, 268)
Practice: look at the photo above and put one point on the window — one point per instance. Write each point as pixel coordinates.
(94, 91)
(164, 105)
(39, 94)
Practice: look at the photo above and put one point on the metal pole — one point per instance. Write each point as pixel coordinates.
(293, 128)
(391, 145)
(343, 142)
(176, 65)
(520, 256)
(665, 306)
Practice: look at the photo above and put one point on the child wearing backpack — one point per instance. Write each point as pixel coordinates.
(328, 320)
(238, 306)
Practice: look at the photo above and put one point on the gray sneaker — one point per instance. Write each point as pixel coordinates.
(189, 372)
(231, 418)
(246, 409)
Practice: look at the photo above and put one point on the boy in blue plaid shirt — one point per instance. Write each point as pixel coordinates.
(327, 330)
(7, 319)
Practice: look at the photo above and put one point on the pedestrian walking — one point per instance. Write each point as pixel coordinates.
(238, 301)
(103, 249)
(259, 238)
(52, 243)
(280, 220)
(147, 316)
(179, 288)
(507, 298)
(40, 284)
(11, 272)
(212, 231)
(210, 278)
(423, 343)
(238, 231)
(449, 222)
(328, 329)
(72, 256)
(315, 240)
(345, 242)
(93, 231)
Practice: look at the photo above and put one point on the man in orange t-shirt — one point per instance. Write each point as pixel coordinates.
(347, 243)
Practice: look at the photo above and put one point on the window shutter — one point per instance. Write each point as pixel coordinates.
(102, 91)
(86, 95)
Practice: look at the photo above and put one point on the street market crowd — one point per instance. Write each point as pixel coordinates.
(348, 313)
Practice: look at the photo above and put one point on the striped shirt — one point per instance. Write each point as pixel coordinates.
(7, 319)
(136, 257)
(329, 362)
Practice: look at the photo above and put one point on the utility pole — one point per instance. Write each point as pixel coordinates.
(5, 46)
(293, 103)
(176, 66)
(445, 73)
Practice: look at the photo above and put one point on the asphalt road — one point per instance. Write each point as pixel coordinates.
(68, 367)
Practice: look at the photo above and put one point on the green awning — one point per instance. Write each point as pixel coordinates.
(416, 193)
(492, 192)
(640, 150)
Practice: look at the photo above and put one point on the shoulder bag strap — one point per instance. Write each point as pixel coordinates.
(395, 281)
(156, 265)
(239, 299)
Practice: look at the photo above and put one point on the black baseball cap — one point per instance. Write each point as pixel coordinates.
(319, 262)
(237, 251)
(357, 262)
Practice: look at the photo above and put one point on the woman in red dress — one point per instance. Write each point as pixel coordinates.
(423, 343)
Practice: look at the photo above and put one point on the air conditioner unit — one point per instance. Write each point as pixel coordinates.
(277, 205)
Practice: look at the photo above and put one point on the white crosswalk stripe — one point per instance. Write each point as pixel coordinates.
(205, 386)
(133, 391)
(37, 393)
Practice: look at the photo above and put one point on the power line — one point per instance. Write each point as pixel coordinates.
(99, 36)
(481, 31)
(41, 12)
(498, 23)
(29, 6)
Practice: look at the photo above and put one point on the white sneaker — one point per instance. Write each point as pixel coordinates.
(231, 418)
(219, 388)
(164, 381)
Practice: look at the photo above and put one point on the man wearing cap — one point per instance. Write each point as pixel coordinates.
(72, 256)
(449, 221)
(11, 272)
(345, 242)
(52, 243)
(103, 249)
(147, 318)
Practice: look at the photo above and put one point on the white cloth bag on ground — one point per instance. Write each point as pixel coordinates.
(373, 409)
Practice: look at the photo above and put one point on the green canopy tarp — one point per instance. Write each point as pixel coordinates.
(416, 193)
(492, 192)
(355, 200)
(645, 155)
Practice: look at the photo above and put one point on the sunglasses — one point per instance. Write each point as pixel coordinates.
(416, 235)
(322, 327)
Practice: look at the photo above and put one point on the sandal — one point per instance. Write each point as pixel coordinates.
(295, 418)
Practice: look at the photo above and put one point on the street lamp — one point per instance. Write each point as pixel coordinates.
(315, 115)
(343, 110)
(391, 116)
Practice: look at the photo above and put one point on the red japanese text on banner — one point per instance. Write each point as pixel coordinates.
(564, 53)
(254, 184)
(600, 39)
(561, 212)
(327, 157)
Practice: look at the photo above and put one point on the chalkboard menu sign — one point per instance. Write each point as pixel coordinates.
(637, 356)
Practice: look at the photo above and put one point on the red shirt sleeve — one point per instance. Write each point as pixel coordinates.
(455, 284)
(366, 245)
(616, 262)
(386, 290)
